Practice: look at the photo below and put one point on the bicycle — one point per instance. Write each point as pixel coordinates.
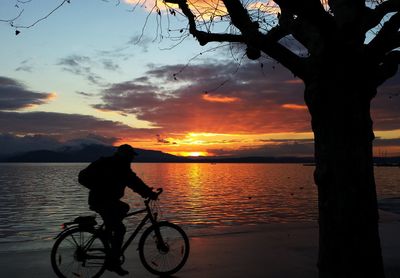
(82, 248)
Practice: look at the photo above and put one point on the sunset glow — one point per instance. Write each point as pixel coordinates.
(135, 88)
(208, 8)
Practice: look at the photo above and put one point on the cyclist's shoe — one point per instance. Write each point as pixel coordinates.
(117, 269)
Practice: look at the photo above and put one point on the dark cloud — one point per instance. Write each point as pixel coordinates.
(67, 126)
(14, 95)
(251, 100)
(81, 66)
(275, 148)
(110, 65)
(11, 144)
(25, 66)
(222, 97)
(75, 61)
(162, 140)
(143, 42)
(379, 142)
(130, 97)
(92, 139)
(85, 94)
(5, 81)
(386, 105)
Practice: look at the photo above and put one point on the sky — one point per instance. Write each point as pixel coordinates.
(98, 71)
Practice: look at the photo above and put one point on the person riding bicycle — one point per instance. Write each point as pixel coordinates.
(107, 179)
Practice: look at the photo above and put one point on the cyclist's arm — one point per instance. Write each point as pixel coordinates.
(136, 184)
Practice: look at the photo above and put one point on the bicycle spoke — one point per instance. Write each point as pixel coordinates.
(79, 253)
(73, 243)
(73, 238)
(165, 259)
(69, 267)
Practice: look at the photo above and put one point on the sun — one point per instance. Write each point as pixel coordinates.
(190, 154)
(195, 154)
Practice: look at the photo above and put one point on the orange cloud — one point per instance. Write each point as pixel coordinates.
(294, 106)
(294, 81)
(233, 119)
(250, 107)
(220, 99)
(51, 96)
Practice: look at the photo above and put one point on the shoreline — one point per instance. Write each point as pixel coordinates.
(267, 250)
(389, 210)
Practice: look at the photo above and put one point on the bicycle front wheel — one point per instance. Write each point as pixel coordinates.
(79, 253)
(164, 248)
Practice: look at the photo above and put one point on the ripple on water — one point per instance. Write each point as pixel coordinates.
(36, 198)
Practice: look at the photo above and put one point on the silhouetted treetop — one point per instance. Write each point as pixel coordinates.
(321, 27)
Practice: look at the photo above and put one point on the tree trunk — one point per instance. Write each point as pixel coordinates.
(349, 244)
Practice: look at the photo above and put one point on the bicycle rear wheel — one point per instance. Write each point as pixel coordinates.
(165, 255)
(79, 253)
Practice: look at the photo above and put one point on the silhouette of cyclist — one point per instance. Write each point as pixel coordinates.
(112, 174)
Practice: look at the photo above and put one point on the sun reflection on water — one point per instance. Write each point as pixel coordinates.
(36, 198)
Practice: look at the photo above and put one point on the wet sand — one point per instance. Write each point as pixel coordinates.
(269, 250)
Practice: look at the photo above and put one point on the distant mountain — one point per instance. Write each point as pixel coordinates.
(87, 153)
(91, 152)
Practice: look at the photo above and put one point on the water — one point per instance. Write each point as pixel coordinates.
(36, 198)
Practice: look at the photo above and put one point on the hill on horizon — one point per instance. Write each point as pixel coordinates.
(91, 152)
(86, 153)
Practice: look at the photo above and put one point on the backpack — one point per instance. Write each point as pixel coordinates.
(94, 174)
(85, 177)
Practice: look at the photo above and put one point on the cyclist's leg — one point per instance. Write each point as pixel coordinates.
(113, 214)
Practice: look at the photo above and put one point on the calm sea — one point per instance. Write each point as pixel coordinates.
(36, 198)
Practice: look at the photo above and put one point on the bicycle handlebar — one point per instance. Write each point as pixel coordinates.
(158, 191)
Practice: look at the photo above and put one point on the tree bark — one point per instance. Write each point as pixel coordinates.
(338, 98)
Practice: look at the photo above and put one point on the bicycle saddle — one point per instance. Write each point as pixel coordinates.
(86, 221)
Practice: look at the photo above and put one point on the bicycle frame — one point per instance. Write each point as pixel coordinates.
(91, 245)
(147, 217)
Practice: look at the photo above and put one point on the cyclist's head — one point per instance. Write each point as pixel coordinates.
(126, 151)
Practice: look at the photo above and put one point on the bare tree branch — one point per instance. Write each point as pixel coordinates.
(389, 67)
(11, 20)
(387, 38)
(241, 20)
(349, 15)
(304, 32)
(310, 10)
(201, 36)
(40, 19)
(276, 33)
(375, 16)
